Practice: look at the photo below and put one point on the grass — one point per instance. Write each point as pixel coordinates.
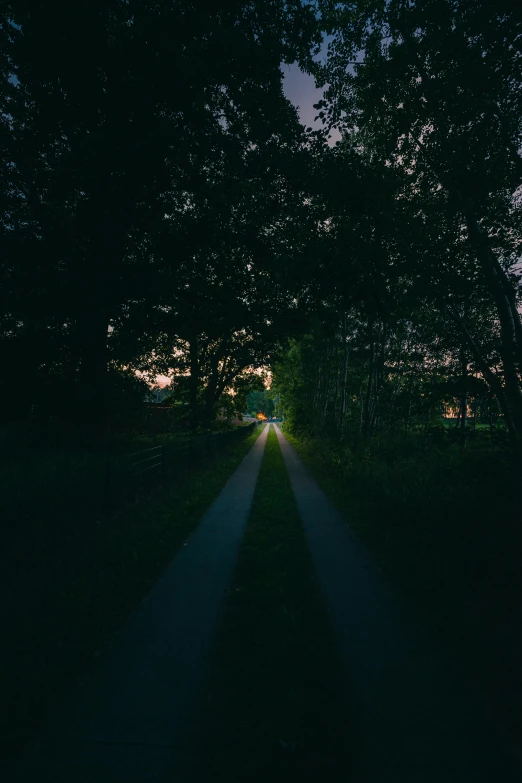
(75, 590)
(41, 484)
(276, 707)
(444, 526)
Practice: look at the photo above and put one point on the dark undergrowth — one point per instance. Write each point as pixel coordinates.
(445, 525)
(276, 709)
(45, 484)
(79, 583)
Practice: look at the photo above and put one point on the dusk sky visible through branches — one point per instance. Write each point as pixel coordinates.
(300, 89)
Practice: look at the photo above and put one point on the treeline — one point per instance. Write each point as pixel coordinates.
(354, 375)
(153, 188)
(419, 290)
(164, 211)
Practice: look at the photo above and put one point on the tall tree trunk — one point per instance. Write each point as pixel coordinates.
(379, 374)
(318, 382)
(457, 421)
(317, 389)
(336, 387)
(92, 336)
(325, 401)
(408, 410)
(509, 318)
(463, 398)
(487, 373)
(366, 409)
(346, 356)
(194, 382)
(211, 392)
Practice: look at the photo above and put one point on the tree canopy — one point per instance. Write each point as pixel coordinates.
(164, 211)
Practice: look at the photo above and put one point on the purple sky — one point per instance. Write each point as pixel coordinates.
(301, 90)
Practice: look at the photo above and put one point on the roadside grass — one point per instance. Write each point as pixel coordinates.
(61, 610)
(276, 705)
(48, 492)
(41, 476)
(444, 526)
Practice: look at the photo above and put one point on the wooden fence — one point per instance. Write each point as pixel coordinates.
(131, 476)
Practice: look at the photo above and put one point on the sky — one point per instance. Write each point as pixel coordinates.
(300, 89)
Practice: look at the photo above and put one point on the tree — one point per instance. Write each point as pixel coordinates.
(260, 401)
(431, 90)
(116, 147)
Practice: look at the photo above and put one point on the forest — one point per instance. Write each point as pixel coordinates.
(164, 213)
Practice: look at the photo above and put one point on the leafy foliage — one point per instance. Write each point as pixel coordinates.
(153, 169)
